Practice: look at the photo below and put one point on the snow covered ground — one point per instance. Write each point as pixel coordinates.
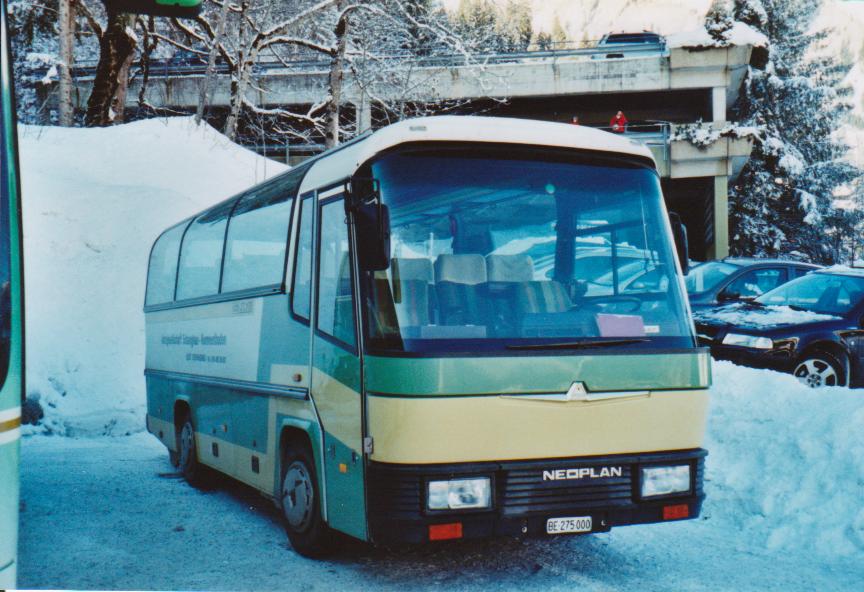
(783, 512)
(103, 509)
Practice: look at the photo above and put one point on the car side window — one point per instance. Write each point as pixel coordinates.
(757, 281)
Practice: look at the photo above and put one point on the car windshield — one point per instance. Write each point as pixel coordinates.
(818, 292)
(495, 251)
(707, 276)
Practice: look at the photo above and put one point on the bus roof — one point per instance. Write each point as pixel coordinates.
(343, 161)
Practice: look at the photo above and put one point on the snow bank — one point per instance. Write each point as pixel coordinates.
(786, 464)
(94, 201)
(739, 34)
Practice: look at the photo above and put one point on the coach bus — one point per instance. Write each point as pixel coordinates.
(11, 312)
(453, 327)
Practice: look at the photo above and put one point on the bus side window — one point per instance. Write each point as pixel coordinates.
(162, 272)
(201, 253)
(301, 291)
(335, 305)
(257, 239)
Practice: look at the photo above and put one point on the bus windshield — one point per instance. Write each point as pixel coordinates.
(507, 250)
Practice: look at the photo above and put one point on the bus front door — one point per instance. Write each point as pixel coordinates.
(336, 385)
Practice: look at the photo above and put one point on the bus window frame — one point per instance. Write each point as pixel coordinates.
(187, 221)
(337, 197)
(301, 200)
(220, 296)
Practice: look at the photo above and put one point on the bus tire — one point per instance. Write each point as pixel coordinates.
(301, 505)
(193, 471)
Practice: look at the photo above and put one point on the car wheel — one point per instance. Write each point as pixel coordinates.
(301, 506)
(193, 471)
(820, 369)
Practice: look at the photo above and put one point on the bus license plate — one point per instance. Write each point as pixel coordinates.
(564, 525)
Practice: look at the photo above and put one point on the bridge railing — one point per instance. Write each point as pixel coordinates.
(655, 135)
(594, 50)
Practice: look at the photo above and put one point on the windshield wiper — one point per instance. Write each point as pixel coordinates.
(578, 344)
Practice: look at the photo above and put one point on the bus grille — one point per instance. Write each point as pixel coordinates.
(525, 492)
(520, 488)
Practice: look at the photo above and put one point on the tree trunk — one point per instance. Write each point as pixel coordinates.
(118, 105)
(204, 95)
(241, 80)
(149, 46)
(116, 49)
(67, 33)
(337, 63)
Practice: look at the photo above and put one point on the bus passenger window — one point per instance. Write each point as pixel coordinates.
(335, 306)
(163, 266)
(257, 238)
(201, 254)
(301, 294)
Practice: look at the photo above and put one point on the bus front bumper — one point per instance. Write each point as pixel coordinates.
(526, 495)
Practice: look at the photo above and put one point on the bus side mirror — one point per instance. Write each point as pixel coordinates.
(175, 8)
(679, 233)
(372, 221)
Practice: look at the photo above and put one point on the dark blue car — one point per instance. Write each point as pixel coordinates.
(812, 327)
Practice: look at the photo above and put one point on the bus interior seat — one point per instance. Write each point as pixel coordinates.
(415, 277)
(459, 281)
(504, 273)
(509, 269)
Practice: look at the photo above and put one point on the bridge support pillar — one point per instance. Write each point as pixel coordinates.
(718, 103)
(720, 248)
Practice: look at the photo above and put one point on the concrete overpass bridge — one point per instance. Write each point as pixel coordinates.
(659, 88)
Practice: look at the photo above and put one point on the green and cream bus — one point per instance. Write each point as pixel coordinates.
(11, 313)
(453, 327)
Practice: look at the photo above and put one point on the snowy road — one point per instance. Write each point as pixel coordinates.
(110, 513)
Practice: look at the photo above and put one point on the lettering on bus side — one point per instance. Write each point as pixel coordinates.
(583, 473)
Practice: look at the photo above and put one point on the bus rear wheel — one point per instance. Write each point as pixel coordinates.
(187, 456)
(301, 506)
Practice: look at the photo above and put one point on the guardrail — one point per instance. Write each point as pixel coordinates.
(186, 66)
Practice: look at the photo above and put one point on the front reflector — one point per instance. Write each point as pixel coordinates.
(443, 532)
(665, 480)
(676, 512)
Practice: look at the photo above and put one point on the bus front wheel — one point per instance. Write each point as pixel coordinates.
(301, 506)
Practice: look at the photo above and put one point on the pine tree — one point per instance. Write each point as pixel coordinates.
(782, 203)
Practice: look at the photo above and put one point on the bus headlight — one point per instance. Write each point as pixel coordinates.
(459, 494)
(748, 341)
(665, 480)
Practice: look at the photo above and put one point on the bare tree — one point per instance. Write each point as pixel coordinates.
(117, 44)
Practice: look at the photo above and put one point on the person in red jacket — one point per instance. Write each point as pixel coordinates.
(618, 123)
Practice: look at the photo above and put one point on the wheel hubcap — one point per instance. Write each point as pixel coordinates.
(816, 373)
(187, 443)
(297, 496)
